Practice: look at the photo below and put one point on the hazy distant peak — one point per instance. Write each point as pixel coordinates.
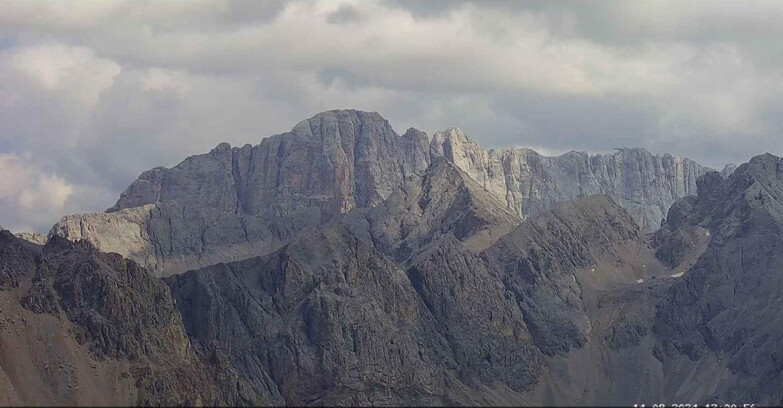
(728, 170)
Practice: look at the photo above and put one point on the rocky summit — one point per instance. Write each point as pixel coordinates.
(344, 264)
(233, 203)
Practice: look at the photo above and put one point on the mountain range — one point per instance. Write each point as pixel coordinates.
(344, 264)
(232, 203)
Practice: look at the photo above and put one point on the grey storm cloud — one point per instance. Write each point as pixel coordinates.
(93, 93)
(345, 14)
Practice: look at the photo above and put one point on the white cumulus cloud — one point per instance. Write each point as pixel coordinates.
(32, 197)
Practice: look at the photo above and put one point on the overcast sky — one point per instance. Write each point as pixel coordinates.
(93, 93)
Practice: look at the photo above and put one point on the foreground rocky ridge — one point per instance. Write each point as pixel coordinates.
(234, 203)
(83, 327)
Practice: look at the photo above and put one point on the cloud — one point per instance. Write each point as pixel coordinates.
(93, 93)
(29, 197)
(344, 14)
(76, 70)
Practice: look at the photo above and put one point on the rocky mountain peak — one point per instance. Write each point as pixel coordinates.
(708, 183)
(455, 145)
(334, 116)
(764, 168)
(445, 201)
(752, 187)
(235, 202)
(452, 135)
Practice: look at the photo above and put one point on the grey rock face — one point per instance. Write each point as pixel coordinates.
(728, 304)
(537, 261)
(528, 183)
(325, 320)
(233, 203)
(490, 340)
(329, 319)
(446, 201)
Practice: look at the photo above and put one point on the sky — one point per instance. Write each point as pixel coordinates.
(93, 93)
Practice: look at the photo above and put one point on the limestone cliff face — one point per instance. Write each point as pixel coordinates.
(644, 184)
(124, 232)
(334, 161)
(234, 203)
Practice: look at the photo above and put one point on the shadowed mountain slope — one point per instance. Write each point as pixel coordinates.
(537, 261)
(327, 319)
(82, 327)
(729, 305)
(331, 319)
